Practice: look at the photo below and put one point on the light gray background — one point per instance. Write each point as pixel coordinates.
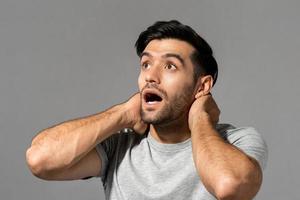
(63, 59)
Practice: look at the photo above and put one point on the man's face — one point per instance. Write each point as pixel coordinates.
(166, 81)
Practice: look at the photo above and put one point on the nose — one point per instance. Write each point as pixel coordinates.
(152, 75)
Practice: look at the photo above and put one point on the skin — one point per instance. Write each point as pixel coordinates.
(175, 79)
(187, 110)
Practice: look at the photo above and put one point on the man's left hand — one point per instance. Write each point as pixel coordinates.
(204, 110)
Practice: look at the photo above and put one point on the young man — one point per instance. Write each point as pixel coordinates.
(165, 141)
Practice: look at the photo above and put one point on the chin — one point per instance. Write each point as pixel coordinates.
(150, 118)
(147, 118)
(155, 119)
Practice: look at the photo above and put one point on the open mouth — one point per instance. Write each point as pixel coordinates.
(151, 98)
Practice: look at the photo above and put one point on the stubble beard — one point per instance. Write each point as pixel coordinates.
(174, 109)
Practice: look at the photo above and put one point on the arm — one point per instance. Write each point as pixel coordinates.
(226, 171)
(67, 151)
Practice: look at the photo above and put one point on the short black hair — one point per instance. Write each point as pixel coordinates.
(202, 58)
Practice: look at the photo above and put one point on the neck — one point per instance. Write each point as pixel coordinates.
(173, 132)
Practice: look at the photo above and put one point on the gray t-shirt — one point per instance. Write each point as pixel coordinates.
(139, 167)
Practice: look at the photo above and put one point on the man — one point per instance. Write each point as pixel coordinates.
(165, 141)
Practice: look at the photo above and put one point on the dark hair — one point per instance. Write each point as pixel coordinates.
(202, 58)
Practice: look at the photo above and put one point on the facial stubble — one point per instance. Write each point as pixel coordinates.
(173, 109)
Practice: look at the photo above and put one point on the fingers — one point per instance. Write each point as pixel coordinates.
(198, 95)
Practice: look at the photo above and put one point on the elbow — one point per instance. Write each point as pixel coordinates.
(37, 163)
(244, 186)
(230, 188)
(227, 188)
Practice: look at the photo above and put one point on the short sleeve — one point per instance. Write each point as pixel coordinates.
(105, 151)
(250, 142)
(103, 157)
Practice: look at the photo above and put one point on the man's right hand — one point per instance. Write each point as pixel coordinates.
(132, 115)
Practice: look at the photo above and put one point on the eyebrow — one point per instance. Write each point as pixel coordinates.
(145, 54)
(174, 55)
(167, 55)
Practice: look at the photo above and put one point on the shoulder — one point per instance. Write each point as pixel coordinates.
(247, 138)
(128, 137)
(229, 131)
(119, 143)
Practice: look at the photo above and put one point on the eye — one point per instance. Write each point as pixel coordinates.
(170, 66)
(145, 65)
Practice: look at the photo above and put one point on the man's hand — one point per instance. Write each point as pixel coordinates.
(132, 115)
(204, 110)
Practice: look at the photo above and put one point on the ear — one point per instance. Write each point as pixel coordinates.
(204, 84)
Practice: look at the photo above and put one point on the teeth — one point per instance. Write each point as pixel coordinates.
(152, 102)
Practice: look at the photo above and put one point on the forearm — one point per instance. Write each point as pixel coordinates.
(61, 146)
(225, 170)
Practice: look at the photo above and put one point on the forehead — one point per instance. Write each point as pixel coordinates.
(163, 46)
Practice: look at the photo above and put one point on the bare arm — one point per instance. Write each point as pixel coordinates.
(226, 171)
(67, 151)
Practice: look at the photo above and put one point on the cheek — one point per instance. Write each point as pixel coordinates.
(175, 82)
(178, 86)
